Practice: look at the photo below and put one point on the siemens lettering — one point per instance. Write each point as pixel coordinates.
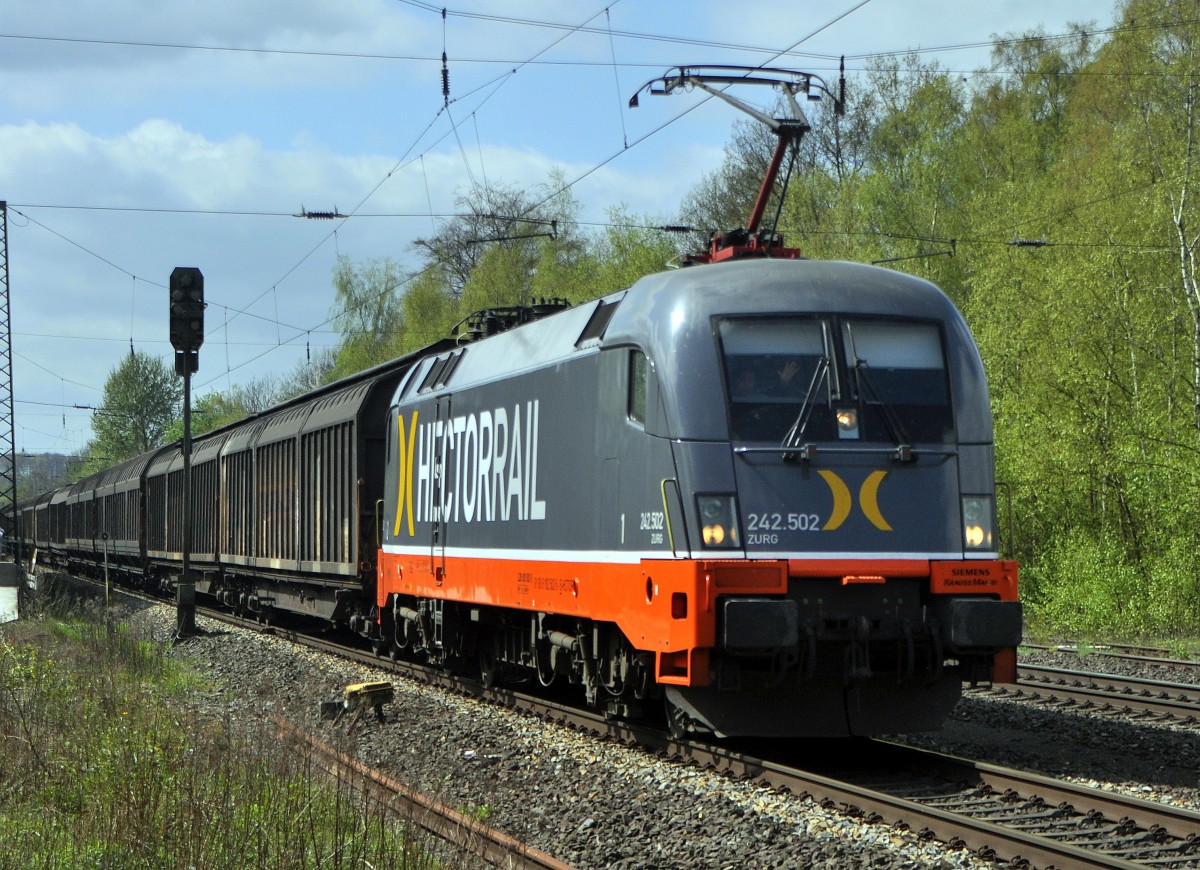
(478, 467)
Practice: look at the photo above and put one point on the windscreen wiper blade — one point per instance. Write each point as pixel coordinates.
(869, 391)
(796, 432)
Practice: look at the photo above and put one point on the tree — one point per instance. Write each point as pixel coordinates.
(514, 231)
(629, 248)
(723, 199)
(369, 313)
(429, 311)
(306, 376)
(141, 400)
(41, 472)
(489, 215)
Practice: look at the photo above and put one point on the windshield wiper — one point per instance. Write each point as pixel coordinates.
(869, 392)
(796, 432)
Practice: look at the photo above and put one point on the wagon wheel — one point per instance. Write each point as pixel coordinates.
(488, 666)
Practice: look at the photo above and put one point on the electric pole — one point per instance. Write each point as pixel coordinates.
(8, 430)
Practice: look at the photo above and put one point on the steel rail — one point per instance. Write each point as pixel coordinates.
(1120, 652)
(985, 836)
(1101, 692)
(1183, 695)
(460, 831)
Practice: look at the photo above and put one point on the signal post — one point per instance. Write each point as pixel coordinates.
(187, 334)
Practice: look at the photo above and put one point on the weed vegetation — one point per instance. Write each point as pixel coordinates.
(1110, 598)
(103, 764)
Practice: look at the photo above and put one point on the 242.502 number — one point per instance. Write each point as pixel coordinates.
(783, 522)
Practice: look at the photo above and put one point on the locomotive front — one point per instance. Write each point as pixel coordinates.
(830, 420)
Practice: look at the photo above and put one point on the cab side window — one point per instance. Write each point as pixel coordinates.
(637, 387)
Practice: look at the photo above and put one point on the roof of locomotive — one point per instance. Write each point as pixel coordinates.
(754, 286)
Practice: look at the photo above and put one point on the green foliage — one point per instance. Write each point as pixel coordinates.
(216, 409)
(1085, 585)
(429, 311)
(478, 813)
(369, 313)
(210, 411)
(502, 276)
(504, 249)
(628, 250)
(141, 401)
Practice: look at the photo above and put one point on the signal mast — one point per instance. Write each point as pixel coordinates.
(752, 240)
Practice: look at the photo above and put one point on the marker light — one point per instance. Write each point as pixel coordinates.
(847, 423)
(977, 522)
(718, 520)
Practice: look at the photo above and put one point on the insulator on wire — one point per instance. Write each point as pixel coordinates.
(445, 80)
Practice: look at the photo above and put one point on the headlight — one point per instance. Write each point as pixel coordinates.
(977, 522)
(847, 423)
(718, 521)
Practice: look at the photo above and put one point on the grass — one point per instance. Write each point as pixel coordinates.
(103, 765)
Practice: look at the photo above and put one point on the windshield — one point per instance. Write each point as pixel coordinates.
(891, 373)
(770, 367)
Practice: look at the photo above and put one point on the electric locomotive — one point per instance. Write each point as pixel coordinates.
(761, 491)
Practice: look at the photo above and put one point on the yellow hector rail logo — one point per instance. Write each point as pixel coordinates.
(404, 490)
(868, 500)
(480, 467)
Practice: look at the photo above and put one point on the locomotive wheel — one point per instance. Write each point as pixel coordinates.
(678, 722)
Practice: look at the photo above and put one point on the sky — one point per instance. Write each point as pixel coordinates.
(141, 135)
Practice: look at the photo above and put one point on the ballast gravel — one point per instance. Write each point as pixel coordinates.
(595, 804)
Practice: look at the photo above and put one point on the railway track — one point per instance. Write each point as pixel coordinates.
(1014, 817)
(1142, 655)
(1163, 700)
(1020, 816)
(997, 812)
(466, 835)
(1103, 693)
